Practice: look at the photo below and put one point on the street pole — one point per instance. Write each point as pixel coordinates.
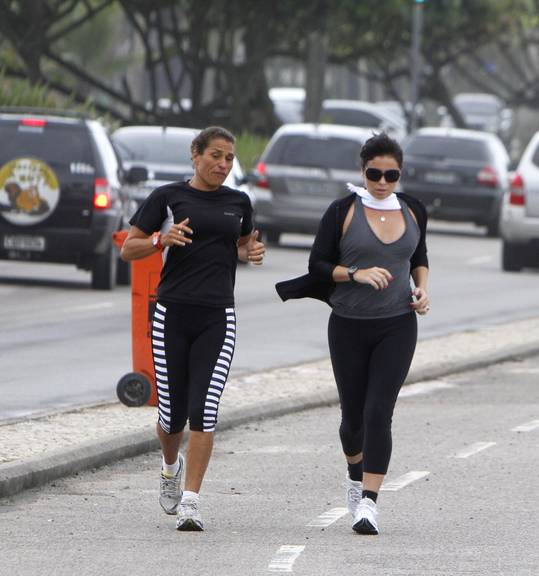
(417, 26)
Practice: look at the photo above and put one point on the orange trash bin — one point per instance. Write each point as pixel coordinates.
(138, 387)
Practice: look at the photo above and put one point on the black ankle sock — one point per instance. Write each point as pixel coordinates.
(355, 471)
(369, 494)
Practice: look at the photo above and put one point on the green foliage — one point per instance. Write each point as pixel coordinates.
(18, 92)
(249, 147)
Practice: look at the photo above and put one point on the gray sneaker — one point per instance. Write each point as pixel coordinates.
(170, 492)
(354, 491)
(189, 518)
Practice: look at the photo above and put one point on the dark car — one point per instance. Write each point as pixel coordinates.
(303, 168)
(460, 175)
(61, 194)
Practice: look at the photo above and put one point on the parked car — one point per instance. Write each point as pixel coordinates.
(288, 103)
(61, 193)
(484, 112)
(165, 155)
(303, 168)
(519, 224)
(460, 175)
(364, 115)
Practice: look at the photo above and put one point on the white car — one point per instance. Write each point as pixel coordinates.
(519, 223)
(166, 155)
(364, 115)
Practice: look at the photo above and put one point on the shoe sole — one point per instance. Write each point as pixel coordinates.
(365, 527)
(189, 526)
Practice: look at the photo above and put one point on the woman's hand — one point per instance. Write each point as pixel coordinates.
(422, 303)
(251, 249)
(177, 235)
(378, 278)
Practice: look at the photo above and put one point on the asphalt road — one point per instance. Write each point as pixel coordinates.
(62, 344)
(461, 498)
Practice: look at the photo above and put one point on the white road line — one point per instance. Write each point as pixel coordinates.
(425, 387)
(479, 260)
(96, 306)
(528, 427)
(524, 371)
(284, 558)
(404, 480)
(474, 449)
(327, 518)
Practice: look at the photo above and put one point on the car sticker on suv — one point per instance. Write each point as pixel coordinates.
(29, 191)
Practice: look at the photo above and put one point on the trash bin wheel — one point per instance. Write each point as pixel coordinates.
(133, 389)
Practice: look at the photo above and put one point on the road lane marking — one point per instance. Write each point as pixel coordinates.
(425, 387)
(327, 518)
(404, 480)
(524, 370)
(474, 449)
(528, 427)
(284, 558)
(84, 307)
(479, 260)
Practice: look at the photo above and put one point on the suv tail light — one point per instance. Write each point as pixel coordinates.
(102, 199)
(33, 122)
(488, 177)
(516, 194)
(262, 178)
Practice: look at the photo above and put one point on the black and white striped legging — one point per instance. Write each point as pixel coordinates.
(192, 348)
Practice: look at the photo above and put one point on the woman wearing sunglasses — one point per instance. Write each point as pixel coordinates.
(367, 246)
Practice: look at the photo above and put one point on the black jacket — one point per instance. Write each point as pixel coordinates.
(318, 283)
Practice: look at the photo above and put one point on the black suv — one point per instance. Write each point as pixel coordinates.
(60, 193)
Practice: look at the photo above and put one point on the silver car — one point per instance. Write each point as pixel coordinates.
(303, 168)
(519, 223)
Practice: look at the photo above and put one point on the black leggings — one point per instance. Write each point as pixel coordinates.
(192, 348)
(371, 359)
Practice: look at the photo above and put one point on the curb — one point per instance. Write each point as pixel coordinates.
(18, 476)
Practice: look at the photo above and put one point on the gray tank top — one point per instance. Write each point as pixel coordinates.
(361, 247)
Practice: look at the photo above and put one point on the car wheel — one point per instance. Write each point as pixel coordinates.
(123, 273)
(512, 260)
(493, 228)
(272, 236)
(133, 389)
(104, 270)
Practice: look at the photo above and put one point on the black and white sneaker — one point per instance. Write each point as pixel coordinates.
(354, 490)
(365, 517)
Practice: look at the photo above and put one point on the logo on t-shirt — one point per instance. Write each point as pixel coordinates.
(232, 214)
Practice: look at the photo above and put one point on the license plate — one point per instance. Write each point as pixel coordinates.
(20, 242)
(309, 188)
(440, 177)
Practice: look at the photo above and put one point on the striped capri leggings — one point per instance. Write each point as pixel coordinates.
(192, 348)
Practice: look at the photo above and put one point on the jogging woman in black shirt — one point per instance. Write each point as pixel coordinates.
(367, 247)
(202, 228)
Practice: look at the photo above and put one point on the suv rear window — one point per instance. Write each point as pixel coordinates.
(162, 148)
(59, 145)
(317, 152)
(350, 117)
(454, 148)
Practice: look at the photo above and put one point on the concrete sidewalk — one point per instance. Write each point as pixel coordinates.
(36, 451)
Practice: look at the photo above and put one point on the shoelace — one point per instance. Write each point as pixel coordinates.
(191, 504)
(169, 486)
(354, 494)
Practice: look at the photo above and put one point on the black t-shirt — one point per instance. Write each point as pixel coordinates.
(204, 272)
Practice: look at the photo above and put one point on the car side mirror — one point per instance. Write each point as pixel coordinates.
(136, 174)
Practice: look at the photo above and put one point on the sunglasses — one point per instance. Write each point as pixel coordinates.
(375, 175)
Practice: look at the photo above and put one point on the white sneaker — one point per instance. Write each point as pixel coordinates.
(354, 489)
(365, 517)
(170, 492)
(189, 518)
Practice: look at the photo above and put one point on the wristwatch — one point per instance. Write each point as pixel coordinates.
(351, 271)
(156, 241)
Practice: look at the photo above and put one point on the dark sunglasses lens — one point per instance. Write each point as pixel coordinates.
(373, 174)
(392, 176)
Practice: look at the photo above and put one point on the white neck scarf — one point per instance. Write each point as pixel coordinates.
(389, 203)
